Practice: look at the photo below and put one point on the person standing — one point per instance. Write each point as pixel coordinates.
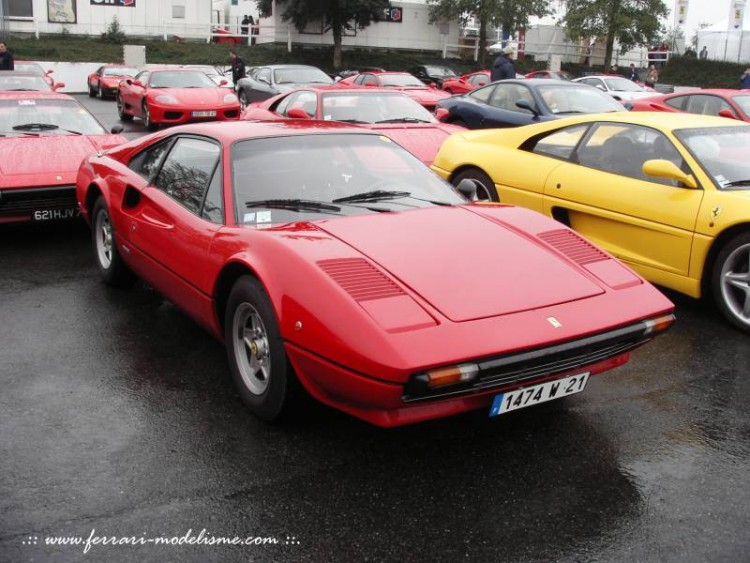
(238, 67)
(6, 57)
(244, 29)
(503, 67)
(253, 29)
(633, 73)
(745, 79)
(704, 53)
(652, 76)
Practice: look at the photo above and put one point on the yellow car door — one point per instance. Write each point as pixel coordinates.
(604, 194)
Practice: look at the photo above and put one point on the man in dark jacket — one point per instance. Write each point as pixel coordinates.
(503, 67)
(6, 57)
(238, 67)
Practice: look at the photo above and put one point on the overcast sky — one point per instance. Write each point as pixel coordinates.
(701, 11)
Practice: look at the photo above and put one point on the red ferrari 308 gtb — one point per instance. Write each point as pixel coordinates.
(466, 83)
(404, 82)
(105, 80)
(43, 138)
(172, 96)
(329, 259)
(391, 113)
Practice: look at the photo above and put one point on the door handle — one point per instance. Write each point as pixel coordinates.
(155, 219)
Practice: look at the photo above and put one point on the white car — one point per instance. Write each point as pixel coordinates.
(618, 87)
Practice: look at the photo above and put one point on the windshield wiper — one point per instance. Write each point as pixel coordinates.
(40, 126)
(352, 121)
(294, 204)
(375, 195)
(735, 183)
(569, 111)
(403, 120)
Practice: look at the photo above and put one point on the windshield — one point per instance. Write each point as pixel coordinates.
(722, 152)
(270, 175)
(119, 71)
(562, 99)
(12, 81)
(301, 76)
(439, 71)
(29, 67)
(46, 117)
(400, 80)
(180, 79)
(622, 85)
(744, 103)
(374, 107)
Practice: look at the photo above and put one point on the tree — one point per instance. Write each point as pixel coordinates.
(510, 15)
(630, 22)
(337, 16)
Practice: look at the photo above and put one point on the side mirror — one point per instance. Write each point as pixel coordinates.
(223, 82)
(467, 188)
(525, 104)
(602, 88)
(432, 85)
(50, 71)
(727, 113)
(117, 129)
(57, 85)
(298, 113)
(669, 170)
(138, 83)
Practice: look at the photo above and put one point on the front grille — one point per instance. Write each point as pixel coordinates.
(232, 113)
(31, 199)
(530, 365)
(172, 115)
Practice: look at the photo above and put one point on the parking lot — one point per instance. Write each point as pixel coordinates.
(120, 421)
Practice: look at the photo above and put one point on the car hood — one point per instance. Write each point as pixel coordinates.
(422, 95)
(207, 96)
(479, 267)
(422, 140)
(48, 160)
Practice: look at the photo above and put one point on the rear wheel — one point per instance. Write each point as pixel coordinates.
(730, 281)
(113, 270)
(485, 186)
(121, 110)
(150, 125)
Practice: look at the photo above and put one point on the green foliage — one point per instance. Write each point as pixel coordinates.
(691, 71)
(114, 33)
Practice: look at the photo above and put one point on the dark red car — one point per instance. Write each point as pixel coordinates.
(467, 82)
(330, 260)
(174, 96)
(105, 80)
(734, 104)
(381, 109)
(404, 82)
(43, 138)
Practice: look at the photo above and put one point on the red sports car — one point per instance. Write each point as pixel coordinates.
(734, 104)
(467, 82)
(404, 82)
(36, 68)
(174, 96)
(330, 259)
(381, 109)
(43, 138)
(104, 81)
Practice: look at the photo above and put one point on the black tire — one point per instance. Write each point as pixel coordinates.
(730, 281)
(113, 270)
(242, 96)
(255, 351)
(121, 110)
(485, 186)
(92, 92)
(150, 125)
(100, 92)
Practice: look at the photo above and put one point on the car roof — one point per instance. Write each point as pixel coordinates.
(659, 119)
(280, 66)
(35, 95)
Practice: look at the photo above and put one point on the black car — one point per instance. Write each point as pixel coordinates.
(432, 74)
(511, 103)
(266, 81)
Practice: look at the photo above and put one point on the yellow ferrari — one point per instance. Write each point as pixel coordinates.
(667, 193)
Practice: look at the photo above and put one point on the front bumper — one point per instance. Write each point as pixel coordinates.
(46, 203)
(175, 115)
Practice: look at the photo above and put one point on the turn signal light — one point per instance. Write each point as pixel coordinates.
(659, 324)
(452, 375)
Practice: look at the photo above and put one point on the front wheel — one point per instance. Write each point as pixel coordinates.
(121, 110)
(485, 186)
(92, 92)
(730, 281)
(242, 96)
(255, 350)
(147, 121)
(113, 270)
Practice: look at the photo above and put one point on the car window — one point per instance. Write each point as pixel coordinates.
(483, 94)
(213, 206)
(304, 100)
(623, 148)
(264, 74)
(744, 102)
(706, 104)
(369, 79)
(505, 97)
(143, 77)
(595, 82)
(280, 106)
(678, 102)
(560, 143)
(187, 171)
(147, 162)
(479, 79)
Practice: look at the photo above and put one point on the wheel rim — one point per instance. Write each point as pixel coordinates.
(251, 348)
(104, 239)
(735, 283)
(483, 192)
(243, 99)
(146, 116)
(120, 109)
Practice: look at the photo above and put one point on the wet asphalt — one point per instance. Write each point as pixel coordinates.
(119, 420)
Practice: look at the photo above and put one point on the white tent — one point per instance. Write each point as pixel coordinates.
(725, 44)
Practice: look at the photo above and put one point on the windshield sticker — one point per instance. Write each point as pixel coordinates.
(26, 102)
(248, 218)
(721, 180)
(263, 217)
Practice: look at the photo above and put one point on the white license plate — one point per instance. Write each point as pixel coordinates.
(211, 113)
(528, 396)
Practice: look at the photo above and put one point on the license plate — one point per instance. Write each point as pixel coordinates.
(528, 396)
(211, 113)
(56, 214)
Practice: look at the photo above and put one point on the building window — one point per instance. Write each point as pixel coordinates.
(19, 9)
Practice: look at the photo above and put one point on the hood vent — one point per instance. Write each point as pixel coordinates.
(573, 246)
(360, 279)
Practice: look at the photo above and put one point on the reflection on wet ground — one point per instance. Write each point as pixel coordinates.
(118, 414)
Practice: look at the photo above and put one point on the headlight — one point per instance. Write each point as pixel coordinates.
(166, 99)
(230, 99)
